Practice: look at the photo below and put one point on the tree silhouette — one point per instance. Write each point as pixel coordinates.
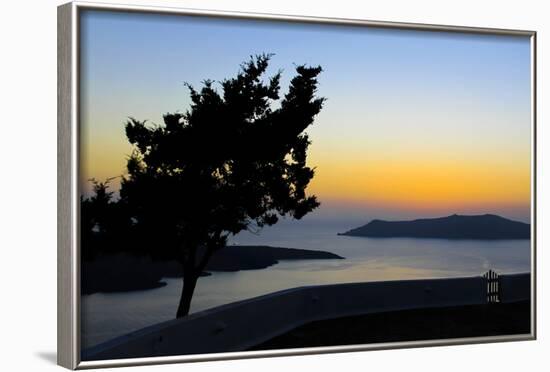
(104, 223)
(231, 162)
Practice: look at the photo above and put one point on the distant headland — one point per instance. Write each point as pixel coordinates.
(126, 272)
(486, 226)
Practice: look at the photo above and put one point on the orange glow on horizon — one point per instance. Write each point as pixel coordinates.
(420, 184)
(423, 182)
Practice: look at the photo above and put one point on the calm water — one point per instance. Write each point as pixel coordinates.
(105, 316)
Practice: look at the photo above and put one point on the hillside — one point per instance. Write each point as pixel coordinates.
(487, 226)
(126, 272)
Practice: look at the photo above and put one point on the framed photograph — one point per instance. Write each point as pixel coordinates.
(235, 185)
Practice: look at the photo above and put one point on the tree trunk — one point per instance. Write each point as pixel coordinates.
(189, 283)
(191, 273)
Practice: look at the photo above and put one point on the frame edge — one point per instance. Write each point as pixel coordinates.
(66, 356)
(233, 14)
(534, 187)
(68, 291)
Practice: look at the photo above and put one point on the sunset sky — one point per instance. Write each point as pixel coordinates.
(416, 124)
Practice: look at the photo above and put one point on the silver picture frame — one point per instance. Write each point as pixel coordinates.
(68, 253)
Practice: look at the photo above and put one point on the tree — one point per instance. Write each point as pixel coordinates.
(99, 221)
(229, 163)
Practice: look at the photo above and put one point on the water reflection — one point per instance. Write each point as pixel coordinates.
(105, 316)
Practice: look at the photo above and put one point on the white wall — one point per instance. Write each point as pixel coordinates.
(28, 182)
(241, 325)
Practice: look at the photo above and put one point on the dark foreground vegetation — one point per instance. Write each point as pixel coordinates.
(235, 160)
(409, 325)
(124, 272)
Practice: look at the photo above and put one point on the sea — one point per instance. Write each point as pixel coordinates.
(108, 315)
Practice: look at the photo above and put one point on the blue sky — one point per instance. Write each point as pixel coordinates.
(429, 107)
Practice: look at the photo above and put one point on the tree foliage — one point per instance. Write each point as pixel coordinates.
(104, 224)
(231, 162)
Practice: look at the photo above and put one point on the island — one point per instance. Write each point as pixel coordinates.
(487, 226)
(126, 272)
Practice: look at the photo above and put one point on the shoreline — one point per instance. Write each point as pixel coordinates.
(124, 272)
